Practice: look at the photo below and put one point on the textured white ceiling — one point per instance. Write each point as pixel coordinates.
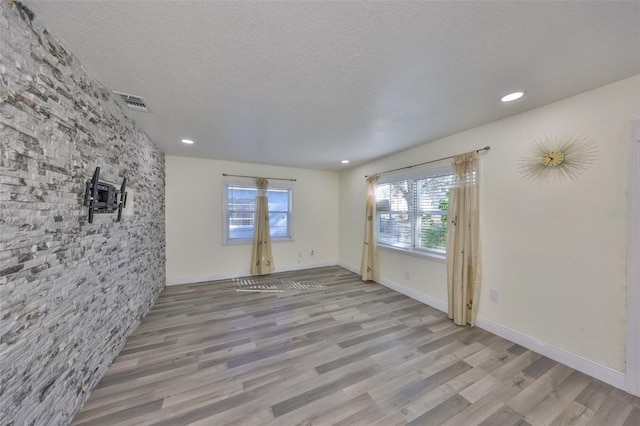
(307, 84)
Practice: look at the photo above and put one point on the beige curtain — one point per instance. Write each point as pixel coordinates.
(261, 256)
(463, 245)
(369, 266)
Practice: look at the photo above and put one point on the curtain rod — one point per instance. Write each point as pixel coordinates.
(486, 148)
(255, 177)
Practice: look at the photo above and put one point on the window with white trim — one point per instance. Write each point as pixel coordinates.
(412, 212)
(240, 206)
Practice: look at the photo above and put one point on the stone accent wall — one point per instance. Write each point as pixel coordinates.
(70, 292)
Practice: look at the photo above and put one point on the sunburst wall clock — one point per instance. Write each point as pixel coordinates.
(557, 158)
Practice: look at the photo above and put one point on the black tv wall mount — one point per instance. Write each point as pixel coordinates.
(103, 197)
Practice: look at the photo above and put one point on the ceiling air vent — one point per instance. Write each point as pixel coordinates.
(134, 102)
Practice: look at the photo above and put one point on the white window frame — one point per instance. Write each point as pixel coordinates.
(251, 184)
(415, 175)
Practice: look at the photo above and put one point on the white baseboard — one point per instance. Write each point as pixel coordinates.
(193, 279)
(302, 266)
(349, 267)
(420, 297)
(608, 375)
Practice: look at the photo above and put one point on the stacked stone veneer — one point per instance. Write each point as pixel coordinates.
(70, 292)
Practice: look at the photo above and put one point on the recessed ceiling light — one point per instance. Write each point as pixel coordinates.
(512, 96)
(187, 141)
(345, 161)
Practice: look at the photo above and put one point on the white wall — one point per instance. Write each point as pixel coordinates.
(552, 251)
(194, 220)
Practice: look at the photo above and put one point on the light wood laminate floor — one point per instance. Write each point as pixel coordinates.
(322, 347)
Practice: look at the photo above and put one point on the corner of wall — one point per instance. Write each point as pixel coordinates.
(71, 292)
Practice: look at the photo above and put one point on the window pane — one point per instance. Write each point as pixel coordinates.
(432, 231)
(279, 225)
(433, 205)
(240, 208)
(240, 225)
(241, 199)
(412, 213)
(278, 199)
(394, 229)
(393, 213)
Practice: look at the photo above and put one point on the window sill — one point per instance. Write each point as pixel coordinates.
(422, 254)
